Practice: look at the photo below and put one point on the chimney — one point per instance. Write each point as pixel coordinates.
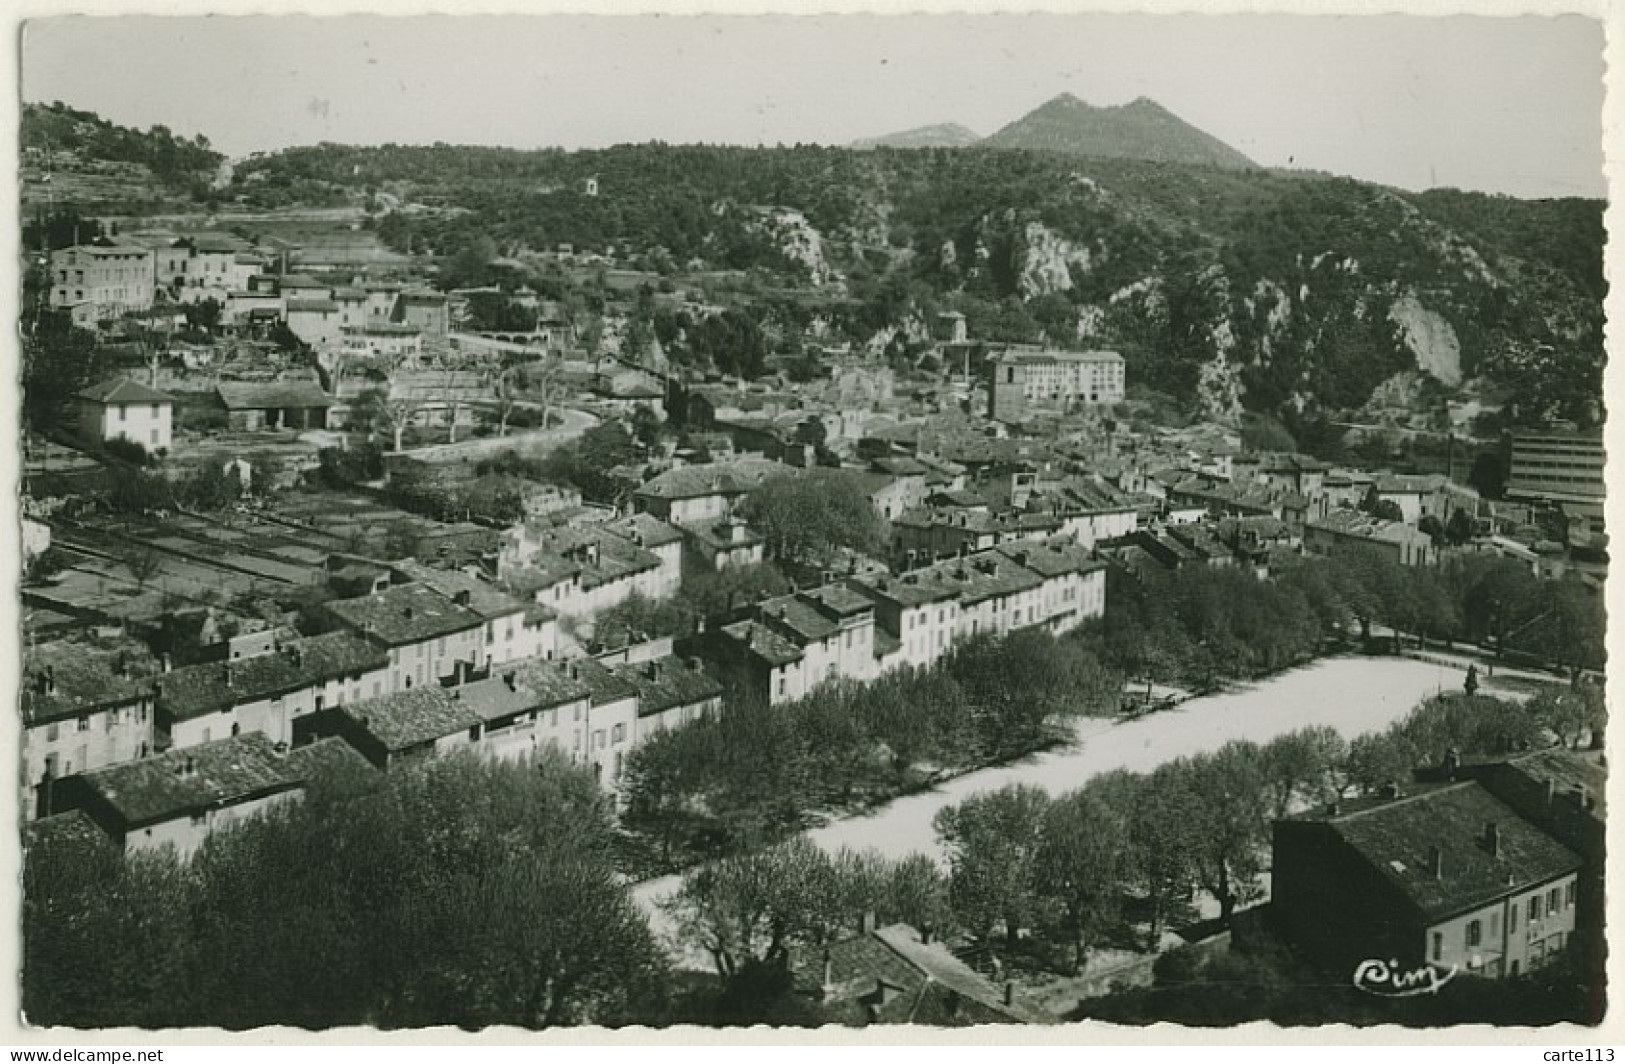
(230, 677)
(512, 681)
(165, 662)
(1436, 862)
(867, 924)
(1492, 838)
(1551, 792)
(280, 749)
(573, 670)
(829, 975)
(1009, 993)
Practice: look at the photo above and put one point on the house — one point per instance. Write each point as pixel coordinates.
(1416, 496)
(660, 539)
(422, 310)
(382, 339)
(722, 543)
(407, 725)
(707, 492)
(793, 643)
(314, 321)
(671, 692)
(109, 278)
(269, 691)
(896, 974)
(84, 707)
(179, 798)
(581, 570)
(121, 409)
(430, 638)
(920, 616)
(1448, 877)
(610, 728)
(251, 407)
(514, 629)
(1074, 582)
(1350, 532)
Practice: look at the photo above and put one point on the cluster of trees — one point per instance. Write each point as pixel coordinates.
(174, 160)
(757, 773)
(59, 361)
(705, 595)
(458, 891)
(1199, 626)
(808, 519)
(755, 914)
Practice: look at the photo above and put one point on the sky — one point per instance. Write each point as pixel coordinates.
(1510, 105)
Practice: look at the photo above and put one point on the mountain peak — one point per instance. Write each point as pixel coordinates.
(1141, 129)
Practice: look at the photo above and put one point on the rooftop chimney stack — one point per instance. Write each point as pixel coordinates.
(1492, 838)
(1436, 862)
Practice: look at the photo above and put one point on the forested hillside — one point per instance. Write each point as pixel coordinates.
(1260, 289)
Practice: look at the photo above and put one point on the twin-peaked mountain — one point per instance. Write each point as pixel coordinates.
(1066, 125)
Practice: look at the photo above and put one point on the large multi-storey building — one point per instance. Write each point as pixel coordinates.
(1559, 467)
(1024, 378)
(111, 279)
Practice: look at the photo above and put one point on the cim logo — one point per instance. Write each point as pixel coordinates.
(1387, 979)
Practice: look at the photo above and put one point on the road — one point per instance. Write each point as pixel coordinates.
(525, 440)
(1353, 695)
(575, 423)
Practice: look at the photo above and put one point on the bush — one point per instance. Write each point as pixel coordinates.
(127, 452)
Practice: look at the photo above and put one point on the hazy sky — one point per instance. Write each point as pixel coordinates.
(1503, 105)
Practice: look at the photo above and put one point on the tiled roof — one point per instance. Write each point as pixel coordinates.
(1396, 837)
(311, 306)
(279, 395)
(550, 684)
(645, 530)
(84, 677)
(195, 690)
(334, 763)
(763, 642)
(717, 534)
(1052, 558)
(411, 718)
(73, 830)
(668, 682)
(494, 699)
(409, 613)
(194, 778)
(713, 478)
(123, 390)
(905, 590)
(484, 599)
(605, 685)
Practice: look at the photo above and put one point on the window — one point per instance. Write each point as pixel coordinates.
(618, 734)
(1438, 945)
(1554, 900)
(1534, 908)
(1475, 933)
(1495, 925)
(121, 412)
(154, 409)
(1568, 894)
(474, 734)
(84, 723)
(1512, 921)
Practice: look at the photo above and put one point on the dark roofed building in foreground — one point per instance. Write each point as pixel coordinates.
(1448, 877)
(177, 799)
(893, 975)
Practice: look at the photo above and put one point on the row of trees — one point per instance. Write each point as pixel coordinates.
(1060, 875)
(757, 772)
(457, 892)
(1202, 625)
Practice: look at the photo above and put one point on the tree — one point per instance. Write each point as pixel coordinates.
(1080, 866)
(808, 519)
(993, 843)
(1230, 821)
(647, 428)
(753, 908)
(59, 361)
(1459, 529)
(430, 896)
